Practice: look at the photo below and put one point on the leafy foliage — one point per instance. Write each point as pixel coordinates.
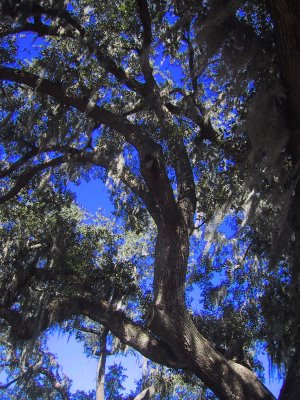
(178, 108)
(32, 372)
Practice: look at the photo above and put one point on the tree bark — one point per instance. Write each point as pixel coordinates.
(146, 394)
(286, 17)
(171, 258)
(227, 379)
(291, 388)
(101, 366)
(286, 14)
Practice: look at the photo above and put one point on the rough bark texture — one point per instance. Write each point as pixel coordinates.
(226, 379)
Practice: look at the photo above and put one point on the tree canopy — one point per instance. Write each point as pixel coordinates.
(188, 111)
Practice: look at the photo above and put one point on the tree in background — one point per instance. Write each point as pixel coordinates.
(188, 111)
(32, 373)
(99, 343)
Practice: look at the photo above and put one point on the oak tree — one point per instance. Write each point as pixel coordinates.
(189, 112)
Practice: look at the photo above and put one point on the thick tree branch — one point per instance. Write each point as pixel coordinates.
(100, 115)
(215, 370)
(23, 179)
(19, 163)
(84, 104)
(129, 333)
(58, 386)
(185, 184)
(155, 177)
(114, 320)
(146, 394)
(132, 133)
(100, 52)
(192, 71)
(145, 18)
(39, 28)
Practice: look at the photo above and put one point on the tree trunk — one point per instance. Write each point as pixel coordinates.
(227, 379)
(286, 17)
(291, 388)
(286, 14)
(171, 321)
(101, 367)
(171, 258)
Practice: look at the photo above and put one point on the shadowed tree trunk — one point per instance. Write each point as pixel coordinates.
(286, 17)
(291, 388)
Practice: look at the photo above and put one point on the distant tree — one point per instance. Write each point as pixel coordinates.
(189, 112)
(32, 373)
(114, 378)
(99, 343)
(81, 395)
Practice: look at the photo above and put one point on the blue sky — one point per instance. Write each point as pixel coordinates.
(82, 370)
(92, 195)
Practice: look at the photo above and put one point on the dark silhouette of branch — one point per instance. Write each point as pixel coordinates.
(23, 179)
(145, 18)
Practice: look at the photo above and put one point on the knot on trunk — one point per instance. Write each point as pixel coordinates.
(155, 319)
(161, 319)
(149, 316)
(149, 161)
